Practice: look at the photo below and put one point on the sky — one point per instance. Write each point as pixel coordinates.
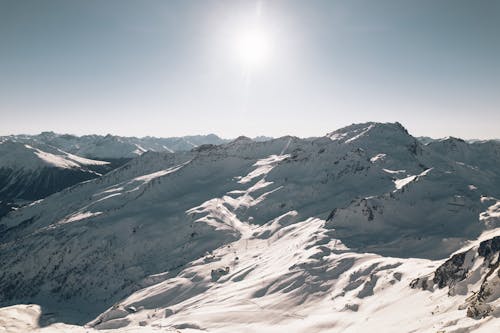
(304, 68)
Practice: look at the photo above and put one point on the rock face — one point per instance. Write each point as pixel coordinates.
(480, 304)
(489, 248)
(475, 271)
(453, 270)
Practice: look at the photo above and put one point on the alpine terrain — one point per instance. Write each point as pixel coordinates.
(35, 166)
(366, 228)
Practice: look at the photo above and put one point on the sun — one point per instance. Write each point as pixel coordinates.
(253, 47)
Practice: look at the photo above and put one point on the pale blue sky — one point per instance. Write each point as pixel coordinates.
(168, 68)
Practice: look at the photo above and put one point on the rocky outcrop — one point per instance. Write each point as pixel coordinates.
(474, 272)
(453, 270)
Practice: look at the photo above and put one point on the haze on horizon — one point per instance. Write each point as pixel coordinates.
(304, 68)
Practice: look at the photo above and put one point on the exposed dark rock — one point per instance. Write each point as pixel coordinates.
(457, 269)
(489, 247)
(217, 273)
(451, 271)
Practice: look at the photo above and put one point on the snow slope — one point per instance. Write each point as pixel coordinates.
(23, 156)
(319, 286)
(29, 173)
(256, 236)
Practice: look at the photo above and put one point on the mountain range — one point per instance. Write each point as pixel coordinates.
(35, 166)
(365, 227)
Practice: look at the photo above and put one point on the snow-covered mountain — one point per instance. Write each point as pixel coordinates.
(290, 234)
(34, 166)
(112, 147)
(28, 173)
(427, 140)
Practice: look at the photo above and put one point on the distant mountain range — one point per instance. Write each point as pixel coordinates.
(112, 146)
(426, 139)
(34, 166)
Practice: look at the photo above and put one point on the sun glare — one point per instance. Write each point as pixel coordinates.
(253, 47)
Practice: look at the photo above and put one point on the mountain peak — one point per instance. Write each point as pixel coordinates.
(452, 139)
(354, 132)
(242, 139)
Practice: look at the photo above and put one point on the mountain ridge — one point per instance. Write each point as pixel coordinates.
(285, 222)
